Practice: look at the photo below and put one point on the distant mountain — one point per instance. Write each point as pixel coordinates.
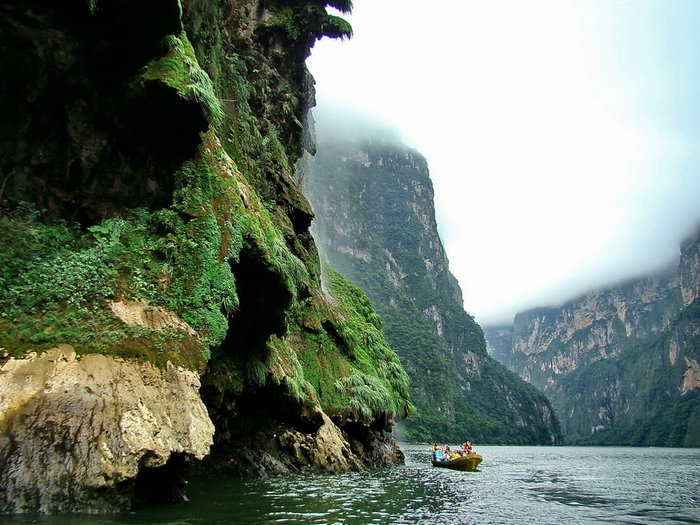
(620, 365)
(375, 223)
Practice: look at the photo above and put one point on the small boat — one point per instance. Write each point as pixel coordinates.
(468, 463)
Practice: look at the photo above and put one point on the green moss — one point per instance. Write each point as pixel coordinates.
(300, 390)
(285, 21)
(154, 256)
(367, 397)
(321, 363)
(336, 27)
(377, 367)
(179, 69)
(235, 210)
(57, 281)
(336, 356)
(256, 371)
(296, 26)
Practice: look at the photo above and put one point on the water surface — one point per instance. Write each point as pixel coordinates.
(538, 485)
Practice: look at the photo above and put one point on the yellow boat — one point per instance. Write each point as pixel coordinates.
(468, 463)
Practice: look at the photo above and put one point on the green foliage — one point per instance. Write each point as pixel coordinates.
(256, 371)
(396, 247)
(201, 285)
(336, 27)
(345, 364)
(41, 266)
(180, 70)
(370, 354)
(321, 364)
(367, 396)
(56, 280)
(299, 389)
(298, 25)
(285, 20)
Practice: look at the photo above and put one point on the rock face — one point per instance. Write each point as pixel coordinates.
(76, 431)
(151, 220)
(620, 365)
(376, 224)
(689, 270)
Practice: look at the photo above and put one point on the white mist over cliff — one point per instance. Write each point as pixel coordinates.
(562, 136)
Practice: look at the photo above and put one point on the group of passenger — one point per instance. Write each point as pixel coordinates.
(446, 454)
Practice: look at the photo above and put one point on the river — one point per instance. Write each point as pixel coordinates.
(535, 485)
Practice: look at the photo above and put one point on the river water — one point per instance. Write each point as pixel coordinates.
(535, 485)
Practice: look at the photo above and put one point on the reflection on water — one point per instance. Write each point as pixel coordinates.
(514, 485)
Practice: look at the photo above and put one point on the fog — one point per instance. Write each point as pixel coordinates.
(562, 135)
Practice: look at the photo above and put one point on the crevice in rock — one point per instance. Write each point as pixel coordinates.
(248, 424)
(264, 299)
(161, 484)
(371, 443)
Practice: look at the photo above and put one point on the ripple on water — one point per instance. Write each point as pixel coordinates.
(514, 485)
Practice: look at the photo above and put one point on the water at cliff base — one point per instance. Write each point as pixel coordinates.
(539, 485)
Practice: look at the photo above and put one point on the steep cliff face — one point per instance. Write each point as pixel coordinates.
(620, 365)
(689, 270)
(376, 225)
(151, 222)
(592, 327)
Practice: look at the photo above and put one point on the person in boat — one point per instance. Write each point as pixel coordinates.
(468, 447)
(446, 452)
(435, 450)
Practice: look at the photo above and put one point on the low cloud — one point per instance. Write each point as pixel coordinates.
(562, 137)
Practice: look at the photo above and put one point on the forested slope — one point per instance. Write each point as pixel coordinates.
(373, 199)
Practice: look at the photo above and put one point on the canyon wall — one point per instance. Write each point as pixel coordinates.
(620, 365)
(376, 225)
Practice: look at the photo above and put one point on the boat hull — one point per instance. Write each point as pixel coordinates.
(466, 463)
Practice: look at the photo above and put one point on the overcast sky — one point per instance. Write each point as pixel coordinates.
(563, 136)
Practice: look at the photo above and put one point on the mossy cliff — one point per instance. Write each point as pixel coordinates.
(376, 224)
(150, 216)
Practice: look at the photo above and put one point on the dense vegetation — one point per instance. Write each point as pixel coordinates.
(169, 185)
(376, 225)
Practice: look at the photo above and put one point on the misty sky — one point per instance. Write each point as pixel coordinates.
(563, 136)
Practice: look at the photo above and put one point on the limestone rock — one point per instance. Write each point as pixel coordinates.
(74, 431)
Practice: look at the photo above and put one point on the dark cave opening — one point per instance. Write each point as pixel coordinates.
(251, 421)
(264, 299)
(161, 484)
(246, 418)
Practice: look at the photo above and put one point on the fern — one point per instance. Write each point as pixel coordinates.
(368, 398)
(256, 371)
